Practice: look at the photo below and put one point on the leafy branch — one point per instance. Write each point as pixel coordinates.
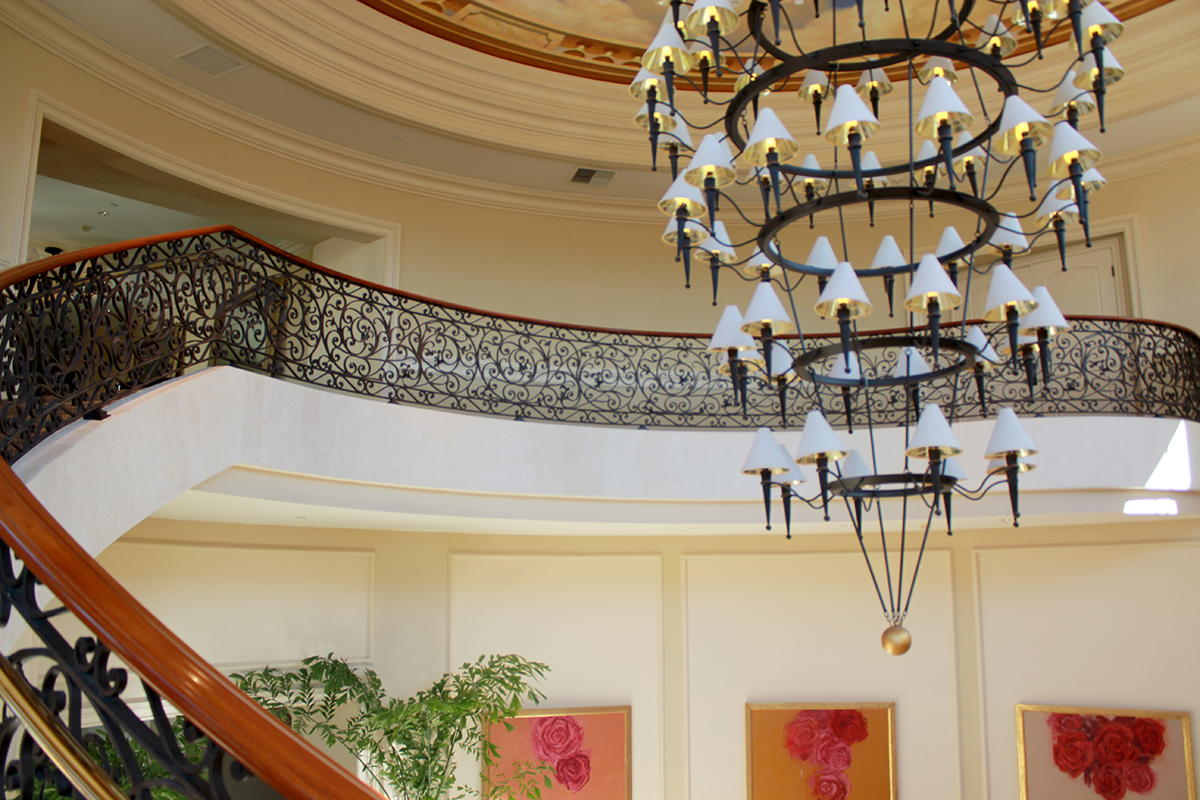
(407, 746)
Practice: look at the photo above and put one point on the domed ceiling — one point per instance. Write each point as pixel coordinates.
(603, 39)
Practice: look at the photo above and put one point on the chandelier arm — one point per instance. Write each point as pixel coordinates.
(856, 520)
(920, 557)
(886, 561)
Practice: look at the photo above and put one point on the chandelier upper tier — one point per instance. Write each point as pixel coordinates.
(733, 160)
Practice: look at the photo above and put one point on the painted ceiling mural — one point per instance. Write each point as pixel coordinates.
(604, 39)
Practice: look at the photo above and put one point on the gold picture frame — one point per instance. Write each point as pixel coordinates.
(1085, 753)
(793, 748)
(592, 744)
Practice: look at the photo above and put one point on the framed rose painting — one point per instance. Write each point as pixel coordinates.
(820, 751)
(584, 753)
(1067, 753)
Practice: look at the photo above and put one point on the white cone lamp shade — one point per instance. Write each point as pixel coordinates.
(932, 435)
(1069, 94)
(710, 160)
(751, 357)
(853, 467)
(704, 10)
(1093, 181)
(929, 152)
(769, 134)
(950, 242)
(870, 161)
(1070, 145)
(752, 71)
(843, 291)
(1006, 291)
(941, 105)
(766, 309)
(1018, 120)
(875, 79)
(677, 136)
(888, 254)
(693, 232)
(1098, 19)
(701, 51)
(819, 441)
(816, 84)
(849, 114)
(998, 466)
(729, 335)
(793, 476)
(683, 195)
(930, 283)
(839, 371)
(952, 469)
(1009, 438)
(718, 244)
(1053, 206)
(978, 339)
(1113, 71)
(667, 44)
(640, 87)
(993, 35)
(766, 453)
(810, 162)
(662, 113)
(781, 361)
(822, 255)
(910, 364)
(973, 156)
(938, 67)
(759, 263)
(1009, 235)
(1046, 316)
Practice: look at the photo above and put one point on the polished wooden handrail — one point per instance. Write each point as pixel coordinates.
(261, 743)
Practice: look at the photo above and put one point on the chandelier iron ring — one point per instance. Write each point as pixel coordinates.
(987, 214)
(803, 365)
(831, 59)
(756, 16)
(902, 484)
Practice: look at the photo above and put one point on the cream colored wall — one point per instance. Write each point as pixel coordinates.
(688, 630)
(609, 274)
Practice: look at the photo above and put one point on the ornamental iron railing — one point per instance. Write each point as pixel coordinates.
(82, 330)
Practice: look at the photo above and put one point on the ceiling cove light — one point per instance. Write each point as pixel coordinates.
(760, 166)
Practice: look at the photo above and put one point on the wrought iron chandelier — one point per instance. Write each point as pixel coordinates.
(957, 157)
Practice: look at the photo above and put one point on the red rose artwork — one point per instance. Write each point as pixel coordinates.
(824, 737)
(559, 741)
(581, 753)
(1112, 755)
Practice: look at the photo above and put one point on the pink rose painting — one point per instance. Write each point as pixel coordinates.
(821, 752)
(1080, 753)
(586, 751)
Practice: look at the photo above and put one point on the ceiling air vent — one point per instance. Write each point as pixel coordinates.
(211, 61)
(593, 177)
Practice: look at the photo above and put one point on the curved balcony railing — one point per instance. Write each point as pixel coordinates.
(80, 330)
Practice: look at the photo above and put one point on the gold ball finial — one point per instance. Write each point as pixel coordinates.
(896, 640)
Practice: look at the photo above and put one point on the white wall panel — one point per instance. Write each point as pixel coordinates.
(252, 606)
(805, 628)
(1106, 625)
(596, 620)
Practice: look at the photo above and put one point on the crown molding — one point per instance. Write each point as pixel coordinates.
(84, 51)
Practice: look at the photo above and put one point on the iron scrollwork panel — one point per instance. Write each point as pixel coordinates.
(79, 336)
(161, 759)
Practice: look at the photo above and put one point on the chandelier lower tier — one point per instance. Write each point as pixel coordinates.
(815, 64)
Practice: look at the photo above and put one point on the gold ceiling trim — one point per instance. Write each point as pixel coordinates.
(517, 38)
